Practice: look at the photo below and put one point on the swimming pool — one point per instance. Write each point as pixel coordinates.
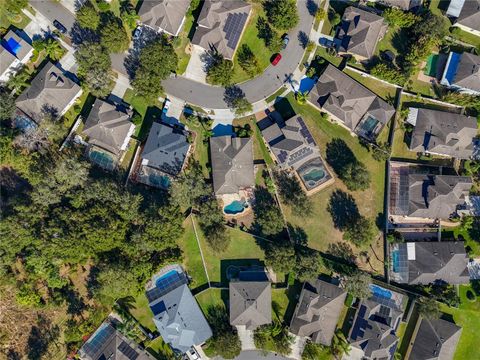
(380, 292)
(395, 261)
(314, 174)
(235, 207)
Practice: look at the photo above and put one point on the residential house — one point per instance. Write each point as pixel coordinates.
(221, 25)
(176, 313)
(108, 128)
(250, 300)
(426, 262)
(61, 17)
(50, 92)
(318, 311)
(293, 146)
(442, 133)
(164, 15)
(109, 343)
(373, 334)
(14, 53)
(163, 155)
(466, 14)
(350, 103)
(359, 32)
(405, 5)
(232, 164)
(435, 339)
(462, 73)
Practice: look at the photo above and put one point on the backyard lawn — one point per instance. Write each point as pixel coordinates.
(319, 225)
(383, 90)
(211, 297)
(201, 153)
(181, 42)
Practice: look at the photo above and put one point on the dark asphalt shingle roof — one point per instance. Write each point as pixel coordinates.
(436, 340)
(444, 133)
(49, 89)
(470, 15)
(166, 15)
(360, 31)
(348, 100)
(250, 303)
(108, 127)
(437, 261)
(468, 71)
(318, 311)
(232, 164)
(220, 25)
(166, 148)
(436, 196)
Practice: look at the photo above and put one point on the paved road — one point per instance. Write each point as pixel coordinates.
(257, 355)
(256, 89)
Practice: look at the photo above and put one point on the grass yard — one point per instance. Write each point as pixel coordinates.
(149, 112)
(243, 250)
(20, 21)
(276, 94)
(192, 261)
(142, 312)
(466, 37)
(257, 45)
(159, 349)
(469, 319)
(319, 226)
(335, 60)
(181, 42)
(201, 153)
(211, 297)
(420, 87)
(128, 158)
(383, 90)
(472, 245)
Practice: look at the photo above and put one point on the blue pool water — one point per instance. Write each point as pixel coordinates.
(380, 292)
(165, 277)
(235, 207)
(395, 261)
(12, 46)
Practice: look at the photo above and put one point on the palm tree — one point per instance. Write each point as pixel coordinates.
(339, 345)
(19, 81)
(301, 97)
(53, 49)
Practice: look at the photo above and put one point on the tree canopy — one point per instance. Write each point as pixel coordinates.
(113, 35)
(220, 72)
(282, 14)
(358, 285)
(87, 16)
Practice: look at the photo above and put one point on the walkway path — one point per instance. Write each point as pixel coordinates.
(257, 89)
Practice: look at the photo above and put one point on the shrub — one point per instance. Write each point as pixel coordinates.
(220, 73)
(470, 295)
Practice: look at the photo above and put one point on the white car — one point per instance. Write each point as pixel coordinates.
(166, 106)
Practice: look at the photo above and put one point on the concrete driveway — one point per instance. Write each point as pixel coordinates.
(53, 10)
(196, 69)
(246, 338)
(211, 97)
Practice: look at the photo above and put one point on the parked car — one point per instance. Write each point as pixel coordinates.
(166, 106)
(60, 26)
(326, 42)
(285, 39)
(277, 59)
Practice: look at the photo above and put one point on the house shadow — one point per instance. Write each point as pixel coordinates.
(284, 108)
(222, 130)
(152, 114)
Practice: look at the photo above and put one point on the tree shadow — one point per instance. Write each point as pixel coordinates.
(312, 7)
(40, 337)
(343, 209)
(75, 303)
(303, 39)
(298, 235)
(339, 155)
(343, 251)
(284, 108)
(80, 35)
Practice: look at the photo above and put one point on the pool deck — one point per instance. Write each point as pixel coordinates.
(319, 187)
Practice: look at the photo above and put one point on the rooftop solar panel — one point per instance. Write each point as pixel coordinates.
(166, 284)
(127, 350)
(233, 28)
(96, 343)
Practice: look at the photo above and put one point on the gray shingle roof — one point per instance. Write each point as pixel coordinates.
(433, 261)
(436, 340)
(178, 317)
(373, 329)
(6, 57)
(108, 343)
(350, 101)
(166, 148)
(220, 25)
(436, 196)
(318, 311)
(108, 127)
(468, 71)
(470, 15)
(402, 4)
(360, 31)
(49, 89)
(250, 303)
(165, 15)
(444, 133)
(232, 164)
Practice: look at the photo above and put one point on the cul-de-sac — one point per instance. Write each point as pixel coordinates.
(239, 179)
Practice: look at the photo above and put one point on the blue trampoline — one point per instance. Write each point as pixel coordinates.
(12, 46)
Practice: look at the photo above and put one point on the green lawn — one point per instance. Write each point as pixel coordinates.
(211, 297)
(275, 94)
(159, 349)
(243, 250)
(257, 45)
(128, 158)
(20, 21)
(466, 37)
(319, 225)
(201, 153)
(469, 319)
(420, 87)
(407, 333)
(181, 42)
(381, 89)
(469, 242)
(192, 260)
(142, 312)
(335, 60)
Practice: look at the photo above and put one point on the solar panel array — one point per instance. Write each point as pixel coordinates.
(127, 350)
(165, 285)
(233, 28)
(282, 156)
(300, 155)
(95, 344)
(305, 132)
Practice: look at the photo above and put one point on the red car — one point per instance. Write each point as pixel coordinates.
(277, 59)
